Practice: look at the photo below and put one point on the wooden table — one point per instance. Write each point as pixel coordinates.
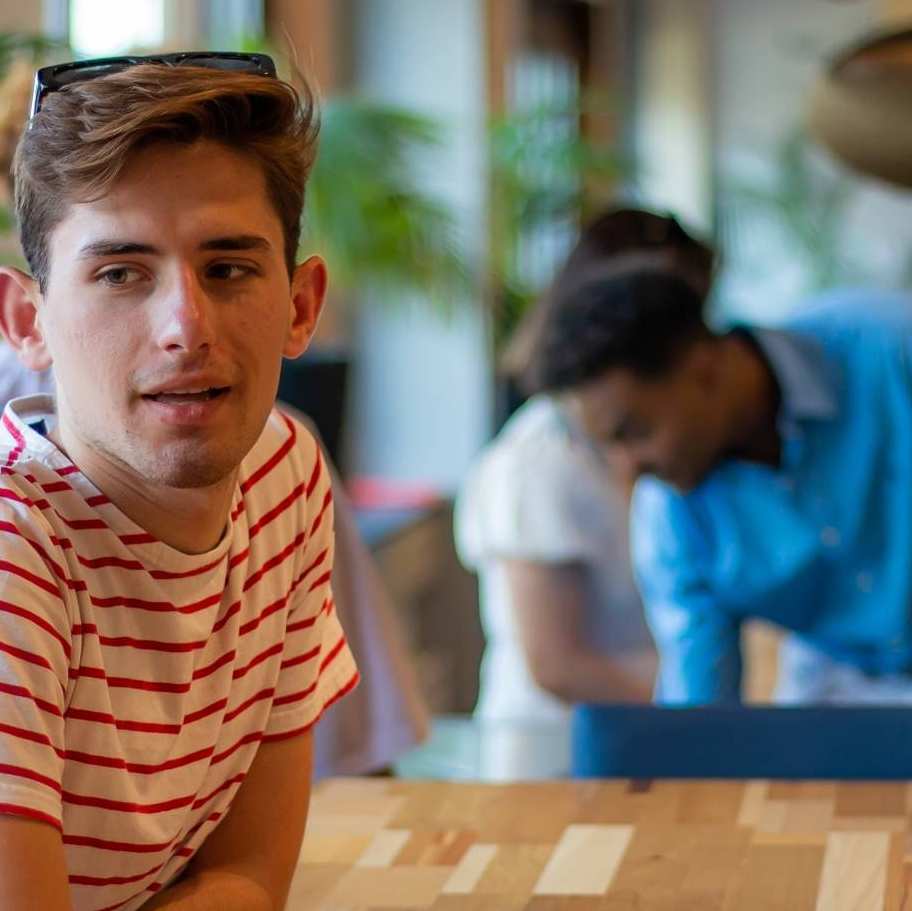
(618, 845)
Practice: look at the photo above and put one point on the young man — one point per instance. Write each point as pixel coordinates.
(167, 632)
(777, 477)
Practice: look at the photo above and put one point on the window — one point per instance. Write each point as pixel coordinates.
(102, 28)
(99, 28)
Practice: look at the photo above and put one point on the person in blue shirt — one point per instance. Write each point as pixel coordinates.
(775, 477)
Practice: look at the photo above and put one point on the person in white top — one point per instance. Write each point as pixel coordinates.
(542, 519)
(168, 635)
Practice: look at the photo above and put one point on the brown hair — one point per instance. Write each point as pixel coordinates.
(85, 134)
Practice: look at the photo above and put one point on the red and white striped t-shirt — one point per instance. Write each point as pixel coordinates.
(136, 681)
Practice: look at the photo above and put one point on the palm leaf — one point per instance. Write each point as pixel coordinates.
(806, 203)
(367, 213)
(34, 47)
(543, 172)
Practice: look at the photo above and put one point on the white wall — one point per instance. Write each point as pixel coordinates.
(672, 96)
(421, 396)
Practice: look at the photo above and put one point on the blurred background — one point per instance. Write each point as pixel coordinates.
(463, 143)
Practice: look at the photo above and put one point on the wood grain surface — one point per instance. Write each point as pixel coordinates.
(613, 845)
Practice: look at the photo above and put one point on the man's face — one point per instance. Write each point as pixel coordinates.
(166, 313)
(671, 426)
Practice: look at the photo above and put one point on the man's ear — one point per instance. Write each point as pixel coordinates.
(19, 296)
(308, 289)
(704, 364)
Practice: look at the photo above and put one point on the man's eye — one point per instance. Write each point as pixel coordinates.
(229, 271)
(119, 276)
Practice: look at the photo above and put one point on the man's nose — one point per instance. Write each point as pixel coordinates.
(187, 318)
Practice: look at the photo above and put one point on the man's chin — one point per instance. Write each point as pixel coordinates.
(194, 479)
(188, 471)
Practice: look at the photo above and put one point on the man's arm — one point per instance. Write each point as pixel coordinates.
(35, 643)
(549, 603)
(247, 863)
(33, 870)
(697, 639)
(699, 651)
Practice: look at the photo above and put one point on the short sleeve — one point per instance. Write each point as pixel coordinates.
(697, 640)
(539, 499)
(317, 665)
(35, 649)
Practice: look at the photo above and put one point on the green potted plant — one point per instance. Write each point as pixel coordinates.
(19, 54)
(804, 202)
(546, 175)
(369, 217)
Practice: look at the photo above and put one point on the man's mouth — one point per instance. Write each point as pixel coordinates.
(188, 396)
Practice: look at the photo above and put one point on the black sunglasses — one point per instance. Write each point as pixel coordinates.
(53, 78)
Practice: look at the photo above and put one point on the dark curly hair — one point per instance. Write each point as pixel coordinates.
(639, 319)
(617, 239)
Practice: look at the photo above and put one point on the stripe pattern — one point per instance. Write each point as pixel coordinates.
(137, 682)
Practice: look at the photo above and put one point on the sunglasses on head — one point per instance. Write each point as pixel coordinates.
(51, 79)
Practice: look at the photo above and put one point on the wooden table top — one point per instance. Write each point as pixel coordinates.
(618, 845)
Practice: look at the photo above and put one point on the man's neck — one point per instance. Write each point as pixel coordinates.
(191, 520)
(755, 402)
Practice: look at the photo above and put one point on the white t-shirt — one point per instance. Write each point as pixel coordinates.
(136, 681)
(539, 492)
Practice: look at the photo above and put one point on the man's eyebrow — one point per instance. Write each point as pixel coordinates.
(100, 248)
(114, 248)
(237, 242)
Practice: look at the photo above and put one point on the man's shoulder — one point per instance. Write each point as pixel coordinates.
(32, 527)
(26, 479)
(285, 431)
(852, 313)
(286, 452)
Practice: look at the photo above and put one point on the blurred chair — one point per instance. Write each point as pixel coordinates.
(621, 741)
(386, 715)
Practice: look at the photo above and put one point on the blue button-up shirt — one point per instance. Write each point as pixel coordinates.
(821, 545)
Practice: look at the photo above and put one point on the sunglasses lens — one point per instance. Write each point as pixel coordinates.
(216, 63)
(85, 73)
(51, 79)
(231, 64)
